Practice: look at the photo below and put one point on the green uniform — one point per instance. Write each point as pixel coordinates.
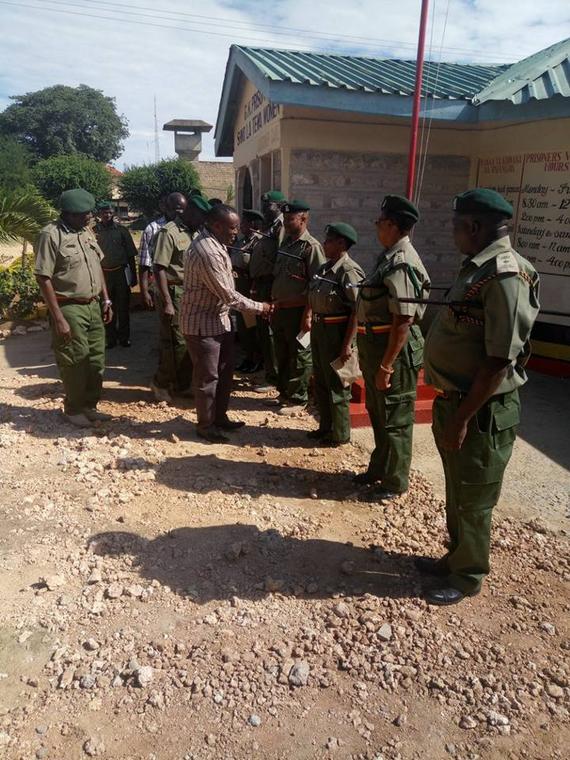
(174, 366)
(261, 266)
(290, 279)
(399, 274)
(119, 253)
(332, 306)
(501, 289)
(72, 261)
(240, 263)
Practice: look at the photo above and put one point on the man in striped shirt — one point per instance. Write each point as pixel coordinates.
(209, 294)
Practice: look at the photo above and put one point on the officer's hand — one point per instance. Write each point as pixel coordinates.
(169, 309)
(147, 299)
(63, 329)
(107, 313)
(454, 433)
(268, 309)
(345, 354)
(383, 380)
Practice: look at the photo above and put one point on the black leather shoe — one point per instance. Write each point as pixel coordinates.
(379, 494)
(229, 425)
(212, 435)
(364, 479)
(429, 566)
(330, 443)
(316, 435)
(447, 595)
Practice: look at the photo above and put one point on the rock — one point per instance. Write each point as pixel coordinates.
(347, 567)
(144, 675)
(554, 691)
(94, 747)
(87, 682)
(384, 633)
(174, 438)
(400, 720)
(66, 678)
(332, 743)
(210, 740)
(497, 719)
(299, 673)
(19, 330)
(114, 591)
(91, 645)
(4, 739)
(24, 636)
(341, 610)
(34, 329)
(548, 628)
(313, 493)
(234, 551)
(467, 722)
(53, 581)
(274, 584)
(254, 720)
(136, 590)
(95, 577)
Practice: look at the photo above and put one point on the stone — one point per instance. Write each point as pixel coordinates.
(255, 721)
(347, 567)
(66, 678)
(497, 719)
(87, 682)
(548, 628)
(114, 591)
(24, 636)
(341, 610)
(91, 645)
(554, 691)
(94, 747)
(136, 590)
(467, 722)
(332, 743)
(384, 633)
(53, 581)
(274, 584)
(299, 673)
(210, 740)
(144, 675)
(400, 720)
(95, 577)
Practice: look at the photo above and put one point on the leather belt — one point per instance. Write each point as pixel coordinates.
(369, 328)
(111, 269)
(83, 301)
(331, 319)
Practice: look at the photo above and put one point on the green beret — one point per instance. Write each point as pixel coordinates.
(346, 231)
(273, 195)
(252, 215)
(294, 207)
(76, 201)
(104, 204)
(200, 203)
(397, 204)
(482, 201)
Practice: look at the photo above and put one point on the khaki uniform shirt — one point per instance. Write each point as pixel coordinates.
(262, 262)
(117, 245)
(171, 243)
(399, 273)
(326, 297)
(502, 287)
(292, 276)
(71, 259)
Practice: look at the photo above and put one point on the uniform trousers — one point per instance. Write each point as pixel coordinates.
(174, 365)
(391, 411)
(81, 361)
(473, 480)
(293, 361)
(120, 294)
(332, 399)
(213, 362)
(261, 291)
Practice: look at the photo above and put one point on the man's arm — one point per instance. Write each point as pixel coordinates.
(62, 327)
(131, 253)
(162, 256)
(220, 282)
(396, 341)
(162, 282)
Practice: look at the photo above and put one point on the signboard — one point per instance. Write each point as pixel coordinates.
(538, 186)
(257, 113)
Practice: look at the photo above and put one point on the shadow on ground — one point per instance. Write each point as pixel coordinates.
(222, 561)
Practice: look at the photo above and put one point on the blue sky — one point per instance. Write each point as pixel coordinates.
(177, 50)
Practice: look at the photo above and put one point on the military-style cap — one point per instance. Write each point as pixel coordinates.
(397, 204)
(77, 201)
(276, 196)
(252, 215)
(104, 204)
(482, 200)
(294, 207)
(200, 203)
(346, 231)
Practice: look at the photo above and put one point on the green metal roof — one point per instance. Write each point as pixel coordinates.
(538, 77)
(383, 76)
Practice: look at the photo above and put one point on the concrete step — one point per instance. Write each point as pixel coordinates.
(424, 401)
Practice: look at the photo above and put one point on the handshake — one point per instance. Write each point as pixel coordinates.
(268, 309)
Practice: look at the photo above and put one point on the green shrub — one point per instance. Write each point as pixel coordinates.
(19, 291)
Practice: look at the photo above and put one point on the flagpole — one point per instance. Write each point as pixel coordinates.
(417, 101)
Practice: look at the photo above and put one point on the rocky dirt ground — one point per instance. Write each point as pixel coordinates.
(165, 599)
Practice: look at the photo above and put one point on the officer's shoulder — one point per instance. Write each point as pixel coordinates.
(351, 266)
(168, 227)
(50, 229)
(312, 240)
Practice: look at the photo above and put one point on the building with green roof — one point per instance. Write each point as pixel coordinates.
(334, 130)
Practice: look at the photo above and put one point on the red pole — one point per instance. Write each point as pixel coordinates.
(417, 100)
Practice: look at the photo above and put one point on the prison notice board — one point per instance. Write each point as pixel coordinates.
(538, 186)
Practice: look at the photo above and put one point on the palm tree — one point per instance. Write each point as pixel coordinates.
(22, 214)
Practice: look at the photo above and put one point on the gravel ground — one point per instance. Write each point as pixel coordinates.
(165, 599)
